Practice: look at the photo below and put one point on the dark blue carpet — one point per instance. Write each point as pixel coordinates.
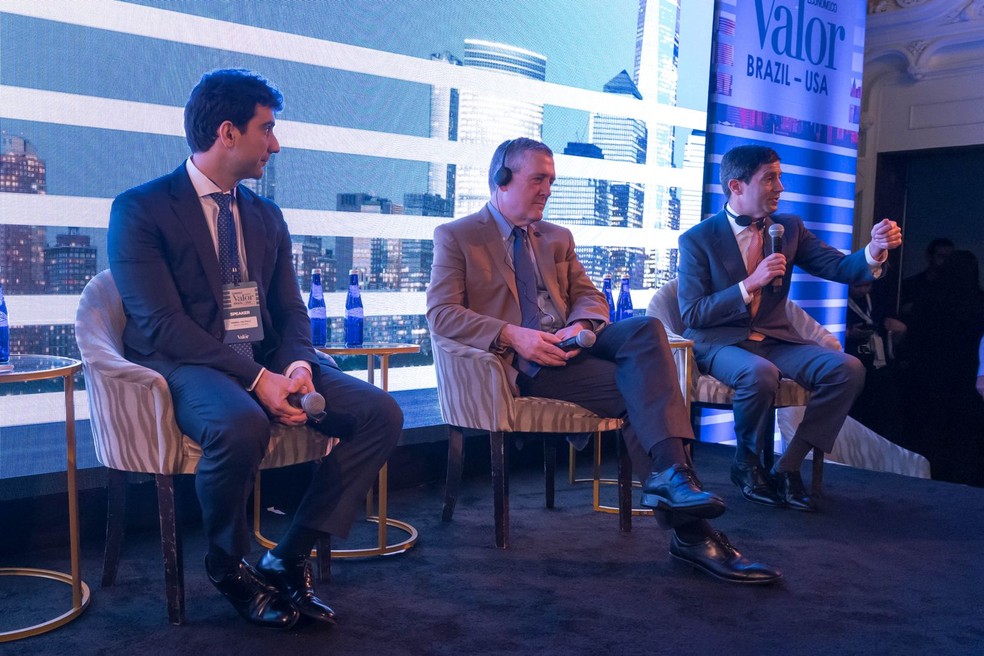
(891, 565)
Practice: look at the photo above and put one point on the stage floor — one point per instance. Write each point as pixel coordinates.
(891, 565)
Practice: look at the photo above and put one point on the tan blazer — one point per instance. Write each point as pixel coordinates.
(472, 292)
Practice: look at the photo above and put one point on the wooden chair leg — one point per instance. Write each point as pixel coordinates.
(324, 559)
(816, 483)
(571, 462)
(695, 419)
(171, 548)
(115, 524)
(549, 468)
(455, 466)
(768, 446)
(624, 485)
(500, 487)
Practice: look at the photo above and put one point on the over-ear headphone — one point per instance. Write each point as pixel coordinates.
(503, 174)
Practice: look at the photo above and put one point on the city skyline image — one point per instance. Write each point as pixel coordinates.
(391, 116)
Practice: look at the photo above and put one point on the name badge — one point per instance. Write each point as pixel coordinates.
(241, 313)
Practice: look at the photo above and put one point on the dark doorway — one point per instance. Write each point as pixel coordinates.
(932, 193)
(924, 397)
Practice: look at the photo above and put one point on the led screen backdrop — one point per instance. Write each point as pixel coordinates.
(392, 112)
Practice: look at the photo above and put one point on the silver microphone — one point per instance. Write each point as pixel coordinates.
(584, 339)
(776, 232)
(312, 403)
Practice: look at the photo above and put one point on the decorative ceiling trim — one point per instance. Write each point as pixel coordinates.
(974, 10)
(882, 6)
(926, 38)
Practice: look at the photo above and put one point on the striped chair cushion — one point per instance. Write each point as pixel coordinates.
(474, 392)
(706, 389)
(709, 390)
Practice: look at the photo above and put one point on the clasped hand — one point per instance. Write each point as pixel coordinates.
(538, 346)
(272, 391)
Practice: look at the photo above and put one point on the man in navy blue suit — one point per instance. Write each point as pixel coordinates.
(732, 295)
(204, 268)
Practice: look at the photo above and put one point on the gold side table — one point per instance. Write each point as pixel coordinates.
(46, 367)
(371, 350)
(682, 350)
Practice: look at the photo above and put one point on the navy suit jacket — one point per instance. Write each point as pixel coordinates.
(711, 267)
(164, 264)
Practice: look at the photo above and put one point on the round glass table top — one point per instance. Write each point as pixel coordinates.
(26, 366)
(368, 348)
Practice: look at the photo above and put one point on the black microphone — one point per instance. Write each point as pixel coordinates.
(584, 339)
(312, 403)
(776, 232)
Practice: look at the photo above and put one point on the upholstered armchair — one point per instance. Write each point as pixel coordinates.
(474, 393)
(134, 430)
(707, 391)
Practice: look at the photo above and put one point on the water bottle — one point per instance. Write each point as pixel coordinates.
(317, 311)
(606, 288)
(4, 330)
(354, 314)
(624, 308)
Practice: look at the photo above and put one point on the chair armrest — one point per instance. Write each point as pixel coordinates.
(808, 328)
(686, 365)
(473, 388)
(132, 416)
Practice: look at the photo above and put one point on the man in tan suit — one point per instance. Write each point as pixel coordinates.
(505, 281)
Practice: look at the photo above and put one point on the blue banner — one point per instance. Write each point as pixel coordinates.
(787, 74)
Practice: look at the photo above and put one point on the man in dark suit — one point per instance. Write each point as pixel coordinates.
(732, 298)
(504, 281)
(204, 269)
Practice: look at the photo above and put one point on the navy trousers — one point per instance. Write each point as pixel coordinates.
(233, 430)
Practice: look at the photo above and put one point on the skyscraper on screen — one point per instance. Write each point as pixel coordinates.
(489, 119)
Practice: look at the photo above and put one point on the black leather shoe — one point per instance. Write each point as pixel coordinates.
(677, 489)
(719, 558)
(754, 484)
(789, 487)
(255, 600)
(293, 579)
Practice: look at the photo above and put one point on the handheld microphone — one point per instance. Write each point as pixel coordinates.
(584, 339)
(776, 232)
(312, 403)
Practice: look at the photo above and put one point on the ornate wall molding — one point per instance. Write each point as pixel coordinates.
(926, 38)
(882, 6)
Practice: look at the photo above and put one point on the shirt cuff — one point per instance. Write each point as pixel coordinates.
(873, 264)
(295, 365)
(255, 381)
(745, 296)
